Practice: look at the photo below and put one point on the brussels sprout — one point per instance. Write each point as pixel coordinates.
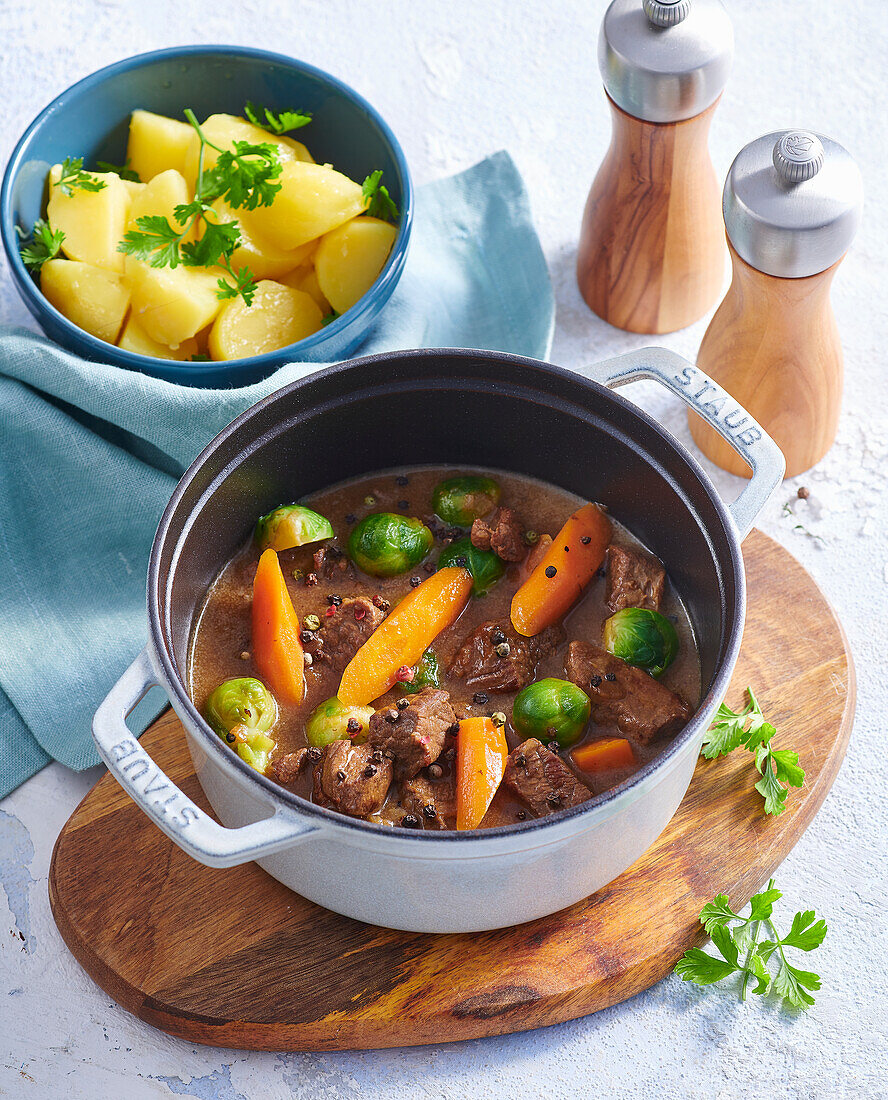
(425, 674)
(486, 568)
(642, 638)
(241, 712)
(462, 500)
(330, 722)
(551, 709)
(291, 525)
(385, 544)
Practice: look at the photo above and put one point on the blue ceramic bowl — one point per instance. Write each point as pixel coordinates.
(91, 120)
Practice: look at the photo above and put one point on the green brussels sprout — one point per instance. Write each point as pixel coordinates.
(425, 674)
(385, 544)
(462, 500)
(291, 525)
(486, 568)
(551, 709)
(643, 638)
(242, 711)
(330, 722)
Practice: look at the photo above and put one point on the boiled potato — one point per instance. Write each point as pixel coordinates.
(93, 221)
(225, 130)
(313, 199)
(135, 339)
(157, 143)
(305, 278)
(278, 316)
(349, 259)
(172, 303)
(262, 257)
(133, 187)
(93, 298)
(161, 196)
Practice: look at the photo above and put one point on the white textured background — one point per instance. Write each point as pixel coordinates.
(457, 81)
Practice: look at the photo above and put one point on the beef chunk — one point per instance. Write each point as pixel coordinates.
(352, 778)
(634, 579)
(434, 803)
(542, 779)
(342, 634)
(287, 768)
(415, 735)
(478, 663)
(503, 534)
(637, 704)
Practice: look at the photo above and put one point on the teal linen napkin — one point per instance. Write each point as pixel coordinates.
(90, 453)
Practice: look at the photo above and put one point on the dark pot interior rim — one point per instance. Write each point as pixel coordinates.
(39, 305)
(276, 792)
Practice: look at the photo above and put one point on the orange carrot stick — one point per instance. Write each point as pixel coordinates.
(598, 756)
(401, 639)
(566, 568)
(276, 647)
(481, 753)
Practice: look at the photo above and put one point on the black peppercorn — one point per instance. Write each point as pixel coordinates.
(392, 715)
(481, 697)
(404, 504)
(497, 636)
(430, 811)
(551, 571)
(334, 601)
(415, 582)
(610, 676)
(553, 799)
(403, 704)
(381, 603)
(410, 821)
(353, 725)
(351, 518)
(340, 776)
(586, 539)
(521, 815)
(230, 738)
(370, 771)
(553, 746)
(461, 561)
(315, 754)
(403, 479)
(595, 681)
(376, 756)
(520, 760)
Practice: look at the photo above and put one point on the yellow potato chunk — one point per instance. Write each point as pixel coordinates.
(133, 187)
(261, 256)
(93, 221)
(172, 304)
(349, 259)
(135, 339)
(161, 196)
(225, 130)
(305, 278)
(93, 298)
(313, 199)
(156, 144)
(278, 316)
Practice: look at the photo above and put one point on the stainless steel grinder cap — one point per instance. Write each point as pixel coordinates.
(665, 60)
(792, 203)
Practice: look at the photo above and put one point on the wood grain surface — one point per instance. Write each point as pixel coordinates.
(232, 958)
(774, 346)
(651, 256)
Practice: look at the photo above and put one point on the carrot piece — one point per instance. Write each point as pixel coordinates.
(598, 756)
(564, 571)
(277, 650)
(401, 639)
(481, 753)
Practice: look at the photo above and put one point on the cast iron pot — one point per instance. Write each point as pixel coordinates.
(469, 408)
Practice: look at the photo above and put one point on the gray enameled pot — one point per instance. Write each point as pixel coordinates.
(468, 408)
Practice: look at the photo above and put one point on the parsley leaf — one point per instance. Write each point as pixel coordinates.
(380, 204)
(778, 768)
(122, 170)
(43, 244)
(243, 177)
(154, 241)
(329, 318)
(218, 242)
(73, 177)
(244, 286)
(736, 939)
(276, 122)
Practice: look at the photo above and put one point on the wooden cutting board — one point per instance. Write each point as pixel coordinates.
(232, 958)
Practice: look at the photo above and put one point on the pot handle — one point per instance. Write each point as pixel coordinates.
(716, 406)
(169, 808)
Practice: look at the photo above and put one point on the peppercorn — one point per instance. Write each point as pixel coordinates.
(553, 746)
(461, 561)
(402, 479)
(230, 738)
(382, 604)
(311, 579)
(392, 715)
(370, 771)
(376, 756)
(369, 500)
(610, 676)
(551, 571)
(520, 760)
(340, 776)
(503, 649)
(402, 704)
(585, 539)
(335, 601)
(480, 697)
(435, 771)
(803, 493)
(531, 538)
(353, 725)
(404, 504)
(415, 582)
(453, 729)
(521, 815)
(410, 821)
(312, 622)
(553, 799)
(498, 718)
(595, 681)
(315, 754)
(245, 655)
(430, 811)
(497, 636)
(298, 574)
(351, 518)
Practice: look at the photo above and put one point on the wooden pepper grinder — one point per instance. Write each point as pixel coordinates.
(792, 204)
(652, 254)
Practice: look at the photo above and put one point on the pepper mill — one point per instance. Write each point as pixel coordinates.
(792, 204)
(652, 255)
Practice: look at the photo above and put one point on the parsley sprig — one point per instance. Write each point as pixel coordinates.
(244, 177)
(779, 768)
(73, 177)
(380, 204)
(122, 170)
(737, 940)
(276, 122)
(40, 245)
